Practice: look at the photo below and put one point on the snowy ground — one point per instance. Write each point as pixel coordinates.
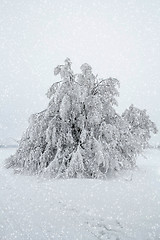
(123, 208)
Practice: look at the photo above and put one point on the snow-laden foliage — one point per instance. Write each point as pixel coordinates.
(80, 134)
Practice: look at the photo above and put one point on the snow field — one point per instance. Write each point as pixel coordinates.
(121, 208)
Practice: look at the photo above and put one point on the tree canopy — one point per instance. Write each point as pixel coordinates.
(80, 134)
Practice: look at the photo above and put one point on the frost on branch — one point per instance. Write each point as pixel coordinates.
(80, 134)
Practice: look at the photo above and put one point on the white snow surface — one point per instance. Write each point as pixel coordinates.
(125, 207)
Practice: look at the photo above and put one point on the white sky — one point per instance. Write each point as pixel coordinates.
(119, 38)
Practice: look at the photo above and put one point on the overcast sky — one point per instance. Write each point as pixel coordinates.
(119, 38)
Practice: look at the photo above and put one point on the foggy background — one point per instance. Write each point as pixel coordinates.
(118, 38)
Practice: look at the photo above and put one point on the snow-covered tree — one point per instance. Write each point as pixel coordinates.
(140, 125)
(80, 134)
